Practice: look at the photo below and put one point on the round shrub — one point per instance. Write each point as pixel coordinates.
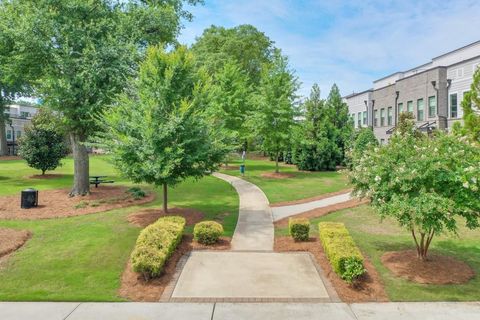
(299, 228)
(207, 232)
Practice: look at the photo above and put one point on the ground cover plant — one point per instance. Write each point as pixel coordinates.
(82, 258)
(299, 185)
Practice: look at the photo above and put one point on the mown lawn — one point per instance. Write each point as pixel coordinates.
(303, 185)
(82, 258)
(375, 237)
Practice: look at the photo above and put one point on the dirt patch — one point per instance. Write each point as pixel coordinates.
(57, 203)
(319, 212)
(135, 288)
(46, 176)
(11, 240)
(146, 217)
(6, 158)
(277, 175)
(368, 288)
(437, 269)
(320, 197)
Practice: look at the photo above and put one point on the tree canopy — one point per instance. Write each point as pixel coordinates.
(471, 108)
(157, 132)
(425, 183)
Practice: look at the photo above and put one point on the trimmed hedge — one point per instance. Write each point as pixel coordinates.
(207, 232)
(155, 245)
(344, 256)
(299, 228)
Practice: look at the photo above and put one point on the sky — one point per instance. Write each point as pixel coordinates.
(350, 43)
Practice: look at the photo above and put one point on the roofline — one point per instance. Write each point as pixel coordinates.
(392, 74)
(458, 49)
(357, 93)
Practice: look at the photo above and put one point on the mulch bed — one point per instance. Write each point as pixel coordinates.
(6, 158)
(319, 212)
(300, 201)
(145, 217)
(368, 288)
(135, 288)
(11, 240)
(277, 175)
(437, 269)
(46, 176)
(57, 203)
(224, 167)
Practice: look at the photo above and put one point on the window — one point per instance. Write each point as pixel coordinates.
(410, 106)
(382, 117)
(9, 134)
(400, 108)
(420, 110)
(364, 118)
(375, 118)
(353, 118)
(432, 107)
(359, 119)
(389, 116)
(19, 134)
(453, 106)
(24, 114)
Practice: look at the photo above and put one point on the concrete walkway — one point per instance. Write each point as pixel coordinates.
(234, 311)
(254, 231)
(287, 211)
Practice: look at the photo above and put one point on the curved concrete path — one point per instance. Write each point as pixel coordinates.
(254, 230)
(287, 211)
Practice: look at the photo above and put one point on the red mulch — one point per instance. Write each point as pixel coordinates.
(11, 240)
(46, 176)
(319, 212)
(437, 269)
(146, 217)
(368, 288)
(320, 197)
(57, 203)
(277, 175)
(224, 167)
(6, 158)
(135, 288)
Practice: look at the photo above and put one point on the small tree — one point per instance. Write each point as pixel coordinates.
(43, 143)
(363, 139)
(273, 120)
(157, 132)
(425, 183)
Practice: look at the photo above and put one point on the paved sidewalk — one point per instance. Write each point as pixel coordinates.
(287, 211)
(254, 231)
(234, 311)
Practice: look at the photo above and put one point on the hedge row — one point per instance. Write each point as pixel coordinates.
(344, 256)
(155, 245)
(299, 228)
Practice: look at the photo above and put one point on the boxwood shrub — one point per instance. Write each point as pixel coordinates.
(299, 228)
(344, 256)
(207, 232)
(155, 245)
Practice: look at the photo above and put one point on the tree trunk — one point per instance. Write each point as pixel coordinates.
(423, 244)
(81, 183)
(276, 161)
(43, 172)
(3, 136)
(165, 198)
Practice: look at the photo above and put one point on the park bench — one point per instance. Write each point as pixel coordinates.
(96, 180)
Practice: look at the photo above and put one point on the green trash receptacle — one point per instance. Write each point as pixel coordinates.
(242, 169)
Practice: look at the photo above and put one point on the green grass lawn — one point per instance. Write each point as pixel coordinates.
(303, 185)
(82, 258)
(375, 237)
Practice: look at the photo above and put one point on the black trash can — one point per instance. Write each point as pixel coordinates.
(29, 198)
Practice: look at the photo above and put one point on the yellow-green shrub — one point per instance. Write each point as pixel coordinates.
(340, 249)
(207, 232)
(155, 245)
(299, 228)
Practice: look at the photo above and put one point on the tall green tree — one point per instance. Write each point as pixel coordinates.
(272, 120)
(87, 51)
(471, 108)
(244, 44)
(158, 133)
(340, 119)
(425, 183)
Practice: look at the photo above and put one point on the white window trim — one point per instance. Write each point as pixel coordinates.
(450, 105)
